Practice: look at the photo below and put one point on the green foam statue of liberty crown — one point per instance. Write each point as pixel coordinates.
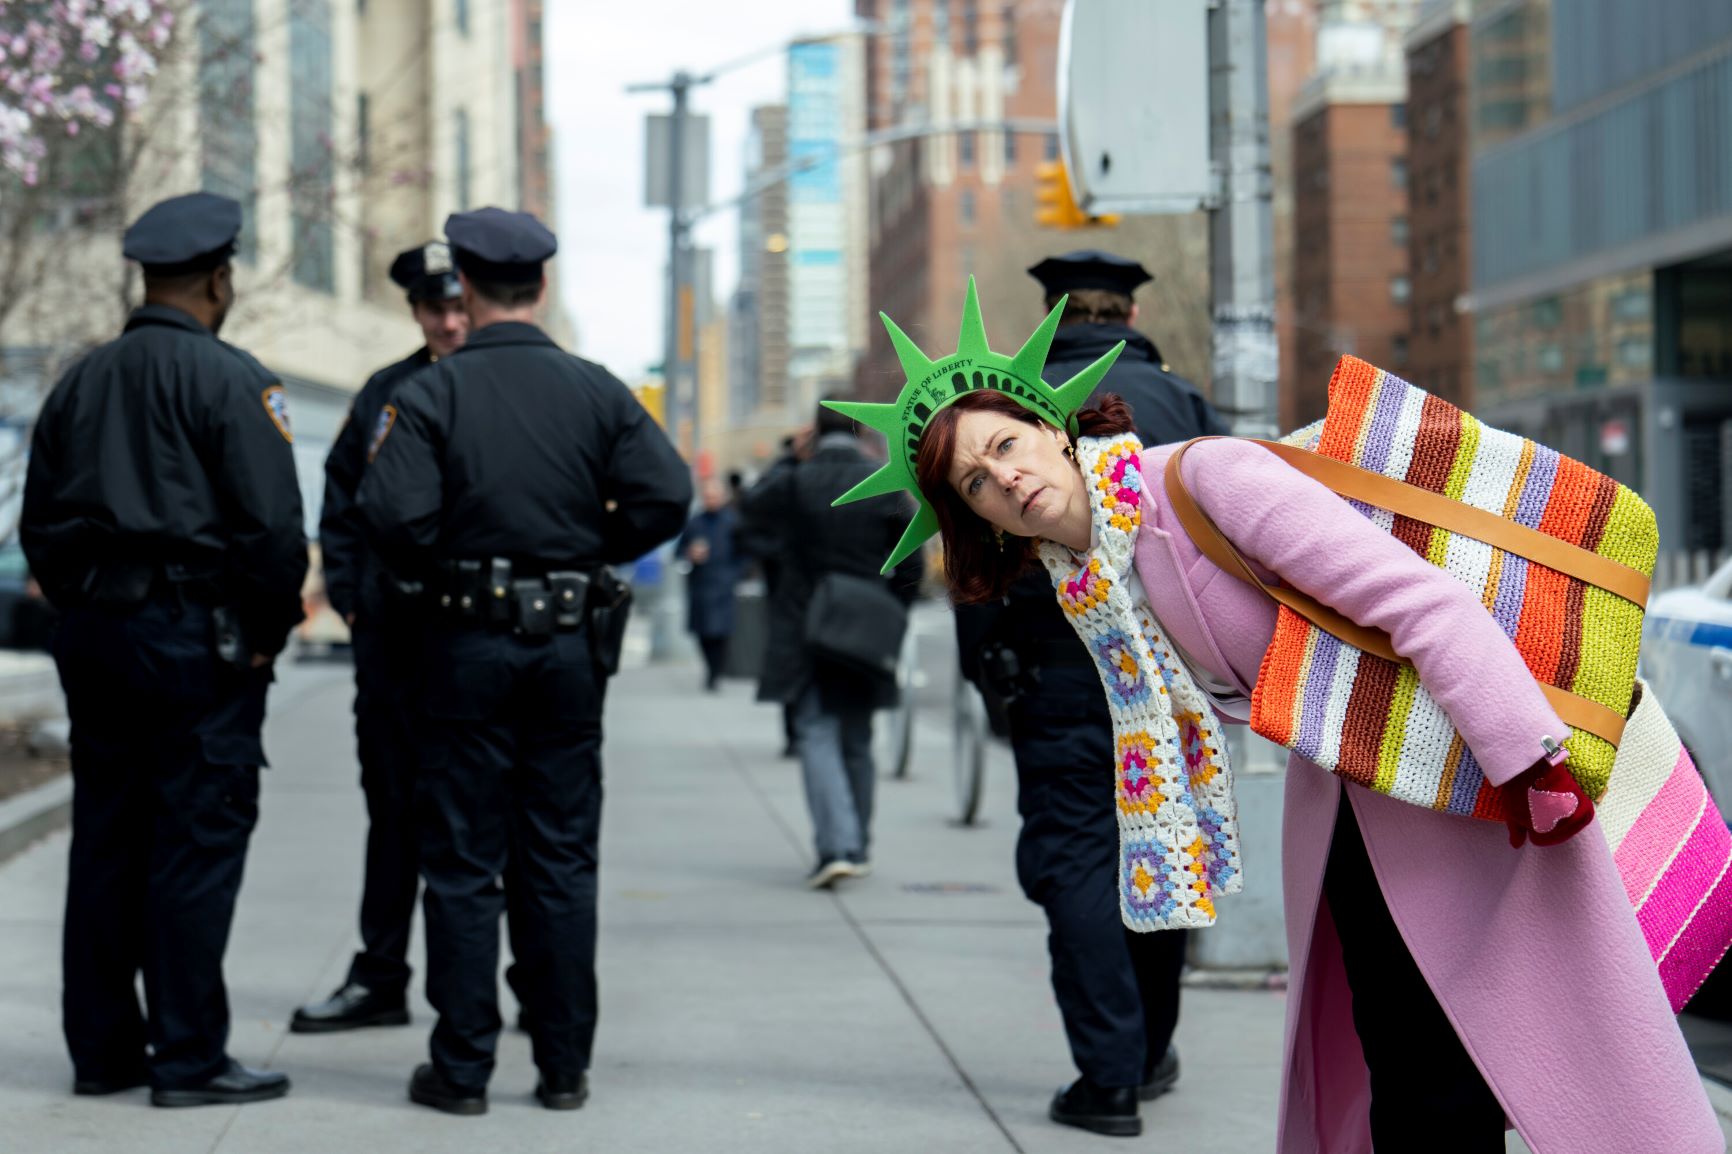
(935, 384)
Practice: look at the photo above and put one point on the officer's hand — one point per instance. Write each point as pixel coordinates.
(260, 660)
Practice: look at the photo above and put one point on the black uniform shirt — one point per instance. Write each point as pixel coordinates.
(351, 581)
(512, 447)
(169, 446)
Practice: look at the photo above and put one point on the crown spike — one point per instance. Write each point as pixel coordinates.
(924, 525)
(882, 418)
(891, 477)
(971, 340)
(1030, 359)
(1074, 393)
(915, 364)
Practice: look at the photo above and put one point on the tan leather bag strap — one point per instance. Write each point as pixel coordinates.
(1575, 710)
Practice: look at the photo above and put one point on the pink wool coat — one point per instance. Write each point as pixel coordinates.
(1533, 953)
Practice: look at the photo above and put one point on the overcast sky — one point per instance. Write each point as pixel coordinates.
(612, 249)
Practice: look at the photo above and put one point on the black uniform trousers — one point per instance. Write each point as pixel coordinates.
(1117, 991)
(387, 672)
(510, 785)
(1426, 1094)
(165, 764)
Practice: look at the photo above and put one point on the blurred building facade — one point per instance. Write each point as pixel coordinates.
(950, 203)
(1601, 208)
(1439, 172)
(1351, 284)
(758, 312)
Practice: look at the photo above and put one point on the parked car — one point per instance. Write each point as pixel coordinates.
(1687, 658)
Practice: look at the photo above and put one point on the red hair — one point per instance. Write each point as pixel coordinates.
(976, 567)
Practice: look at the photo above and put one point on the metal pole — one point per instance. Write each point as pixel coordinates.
(1244, 361)
(671, 383)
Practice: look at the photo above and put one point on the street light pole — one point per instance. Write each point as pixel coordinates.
(679, 342)
(1244, 361)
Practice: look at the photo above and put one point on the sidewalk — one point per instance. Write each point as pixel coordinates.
(740, 1012)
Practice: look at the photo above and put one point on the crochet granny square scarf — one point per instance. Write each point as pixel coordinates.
(1178, 825)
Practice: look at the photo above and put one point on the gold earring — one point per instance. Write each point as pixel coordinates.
(999, 534)
(1070, 450)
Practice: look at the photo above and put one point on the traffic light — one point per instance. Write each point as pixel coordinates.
(1057, 208)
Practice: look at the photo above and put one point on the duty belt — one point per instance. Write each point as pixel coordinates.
(492, 594)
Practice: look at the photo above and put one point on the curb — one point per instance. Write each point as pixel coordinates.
(34, 814)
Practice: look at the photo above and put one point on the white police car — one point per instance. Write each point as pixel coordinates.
(1687, 658)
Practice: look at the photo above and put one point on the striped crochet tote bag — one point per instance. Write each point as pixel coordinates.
(1672, 849)
(1559, 554)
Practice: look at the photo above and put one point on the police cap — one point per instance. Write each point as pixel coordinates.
(1090, 269)
(184, 234)
(425, 272)
(491, 244)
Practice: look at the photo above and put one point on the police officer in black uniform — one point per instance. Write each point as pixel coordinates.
(386, 648)
(162, 517)
(512, 473)
(1117, 991)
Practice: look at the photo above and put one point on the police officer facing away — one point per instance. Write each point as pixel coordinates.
(387, 650)
(511, 473)
(1118, 991)
(162, 517)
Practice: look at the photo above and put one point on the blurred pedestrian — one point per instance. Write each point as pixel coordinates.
(708, 546)
(163, 518)
(386, 642)
(1117, 991)
(832, 702)
(513, 474)
(766, 544)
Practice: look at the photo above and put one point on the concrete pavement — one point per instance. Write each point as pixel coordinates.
(740, 1012)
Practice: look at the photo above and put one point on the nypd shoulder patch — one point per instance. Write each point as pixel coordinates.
(276, 401)
(381, 430)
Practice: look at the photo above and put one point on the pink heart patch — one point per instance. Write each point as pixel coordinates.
(1547, 808)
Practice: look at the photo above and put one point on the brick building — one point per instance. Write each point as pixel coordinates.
(950, 204)
(1350, 268)
(1440, 183)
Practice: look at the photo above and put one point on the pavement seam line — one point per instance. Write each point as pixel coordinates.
(872, 950)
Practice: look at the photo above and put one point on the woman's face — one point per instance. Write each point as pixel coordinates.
(1014, 475)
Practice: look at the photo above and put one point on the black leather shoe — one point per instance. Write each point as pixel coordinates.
(1161, 1079)
(233, 1086)
(1098, 1109)
(96, 1087)
(429, 1088)
(562, 1091)
(350, 1008)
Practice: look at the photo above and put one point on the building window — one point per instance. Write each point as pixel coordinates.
(968, 206)
(965, 147)
(1398, 231)
(1398, 172)
(312, 176)
(462, 163)
(1548, 313)
(229, 136)
(1052, 146)
(1400, 289)
(1009, 148)
(1635, 353)
(1550, 358)
(970, 28)
(1398, 117)
(1398, 351)
(1007, 21)
(460, 14)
